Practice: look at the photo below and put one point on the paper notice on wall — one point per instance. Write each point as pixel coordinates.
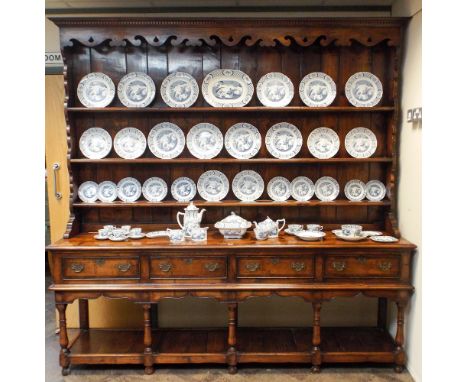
(53, 62)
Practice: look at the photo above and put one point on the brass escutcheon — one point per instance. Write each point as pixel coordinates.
(99, 261)
(188, 260)
(274, 260)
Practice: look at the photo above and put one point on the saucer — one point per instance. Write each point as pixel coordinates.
(97, 237)
(371, 233)
(384, 239)
(310, 235)
(351, 238)
(156, 234)
(290, 232)
(112, 238)
(141, 236)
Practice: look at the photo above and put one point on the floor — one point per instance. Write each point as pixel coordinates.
(198, 374)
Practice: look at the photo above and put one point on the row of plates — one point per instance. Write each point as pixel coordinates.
(213, 186)
(227, 88)
(243, 141)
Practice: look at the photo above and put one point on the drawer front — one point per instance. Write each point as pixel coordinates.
(362, 266)
(273, 267)
(101, 268)
(182, 267)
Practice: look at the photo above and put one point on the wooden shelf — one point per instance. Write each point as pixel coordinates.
(232, 161)
(282, 345)
(234, 203)
(247, 109)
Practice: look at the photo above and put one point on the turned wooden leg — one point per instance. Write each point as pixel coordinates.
(231, 355)
(147, 340)
(63, 339)
(400, 355)
(382, 313)
(316, 357)
(83, 314)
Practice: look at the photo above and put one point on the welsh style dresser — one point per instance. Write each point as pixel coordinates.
(230, 271)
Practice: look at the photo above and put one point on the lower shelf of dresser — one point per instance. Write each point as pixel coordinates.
(254, 345)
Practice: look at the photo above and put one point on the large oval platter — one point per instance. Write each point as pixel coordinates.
(179, 89)
(95, 143)
(183, 189)
(243, 140)
(166, 140)
(96, 90)
(275, 90)
(227, 88)
(130, 143)
(283, 140)
(204, 141)
(248, 186)
(213, 185)
(317, 89)
(136, 90)
(363, 89)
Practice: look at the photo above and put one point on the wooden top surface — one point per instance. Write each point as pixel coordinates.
(86, 241)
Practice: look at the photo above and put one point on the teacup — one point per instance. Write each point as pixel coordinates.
(351, 229)
(118, 233)
(109, 228)
(135, 232)
(295, 227)
(176, 235)
(199, 234)
(126, 228)
(314, 227)
(103, 232)
(260, 234)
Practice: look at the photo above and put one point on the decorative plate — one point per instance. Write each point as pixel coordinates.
(363, 89)
(302, 189)
(179, 90)
(129, 143)
(361, 142)
(317, 89)
(248, 186)
(183, 189)
(323, 143)
(107, 191)
(154, 189)
(327, 189)
(96, 90)
(355, 190)
(243, 140)
(227, 88)
(166, 140)
(213, 186)
(275, 90)
(204, 141)
(136, 90)
(129, 189)
(279, 189)
(375, 190)
(384, 239)
(283, 140)
(95, 143)
(87, 192)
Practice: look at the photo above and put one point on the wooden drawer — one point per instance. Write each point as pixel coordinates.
(182, 267)
(101, 267)
(273, 267)
(362, 266)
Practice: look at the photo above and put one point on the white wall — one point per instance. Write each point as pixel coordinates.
(409, 195)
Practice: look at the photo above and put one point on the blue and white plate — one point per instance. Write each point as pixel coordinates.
(136, 90)
(243, 140)
(275, 90)
(317, 89)
(96, 90)
(179, 89)
(363, 89)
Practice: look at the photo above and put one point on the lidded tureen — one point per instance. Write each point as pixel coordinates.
(233, 226)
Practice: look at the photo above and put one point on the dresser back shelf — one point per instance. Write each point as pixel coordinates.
(230, 271)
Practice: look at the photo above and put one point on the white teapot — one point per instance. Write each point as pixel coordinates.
(270, 227)
(191, 218)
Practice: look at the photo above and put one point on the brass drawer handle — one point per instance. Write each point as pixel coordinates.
(385, 265)
(252, 267)
(124, 267)
(339, 266)
(165, 267)
(211, 267)
(77, 268)
(298, 266)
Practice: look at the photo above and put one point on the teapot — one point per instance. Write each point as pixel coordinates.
(191, 218)
(270, 227)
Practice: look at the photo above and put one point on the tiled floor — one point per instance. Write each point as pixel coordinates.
(198, 374)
